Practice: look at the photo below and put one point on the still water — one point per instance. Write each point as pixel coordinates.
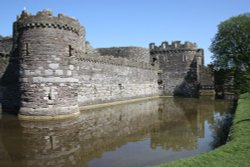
(129, 135)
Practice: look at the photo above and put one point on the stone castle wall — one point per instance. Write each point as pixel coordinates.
(104, 79)
(179, 64)
(133, 53)
(4, 60)
(5, 45)
(5, 49)
(52, 70)
(56, 70)
(206, 76)
(207, 87)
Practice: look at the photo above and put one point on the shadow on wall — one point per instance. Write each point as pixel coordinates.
(189, 86)
(10, 85)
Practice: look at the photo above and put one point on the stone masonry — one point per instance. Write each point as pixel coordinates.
(46, 47)
(133, 53)
(5, 45)
(51, 70)
(180, 67)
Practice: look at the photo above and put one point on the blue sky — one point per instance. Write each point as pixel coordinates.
(135, 22)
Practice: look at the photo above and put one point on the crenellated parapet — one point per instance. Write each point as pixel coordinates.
(175, 46)
(185, 51)
(44, 19)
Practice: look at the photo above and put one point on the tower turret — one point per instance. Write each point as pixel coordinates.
(46, 47)
(180, 65)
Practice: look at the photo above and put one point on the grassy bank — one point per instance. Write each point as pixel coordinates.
(237, 150)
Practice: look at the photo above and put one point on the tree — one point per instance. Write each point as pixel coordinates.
(231, 51)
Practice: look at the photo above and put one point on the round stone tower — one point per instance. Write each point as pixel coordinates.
(46, 47)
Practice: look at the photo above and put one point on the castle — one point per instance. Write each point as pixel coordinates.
(48, 69)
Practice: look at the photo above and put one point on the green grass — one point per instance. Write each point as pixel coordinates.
(236, 153)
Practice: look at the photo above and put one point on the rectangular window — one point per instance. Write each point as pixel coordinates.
(26, 49)
(70, 50)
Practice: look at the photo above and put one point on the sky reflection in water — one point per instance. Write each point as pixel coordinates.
(137, 134)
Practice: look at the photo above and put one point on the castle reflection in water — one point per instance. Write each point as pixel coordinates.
(174, 124)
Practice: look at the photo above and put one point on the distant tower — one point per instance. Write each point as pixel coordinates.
(46, 47)
(180, 64)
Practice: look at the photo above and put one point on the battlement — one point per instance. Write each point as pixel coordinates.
(44, 19)
(175, 45)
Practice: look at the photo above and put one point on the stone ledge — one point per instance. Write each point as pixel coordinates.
(93, 106)
(47, 117)
(48, 113)
(50, 110)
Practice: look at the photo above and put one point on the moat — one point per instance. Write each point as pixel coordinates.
(129, 135)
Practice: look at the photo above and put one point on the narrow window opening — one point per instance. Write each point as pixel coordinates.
(27, 49)
(153, 61)
(50, 95)
(70, 50)
(164, 45)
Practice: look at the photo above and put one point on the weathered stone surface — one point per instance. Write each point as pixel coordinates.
(46, 46)
(53, 66)
(48, 72)
(58, 72)
(5, 45)
(52, 69)
(180, 65)
(107, 82)
(4, 61)
(69, 73)
(132, 53)
(71, 67)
